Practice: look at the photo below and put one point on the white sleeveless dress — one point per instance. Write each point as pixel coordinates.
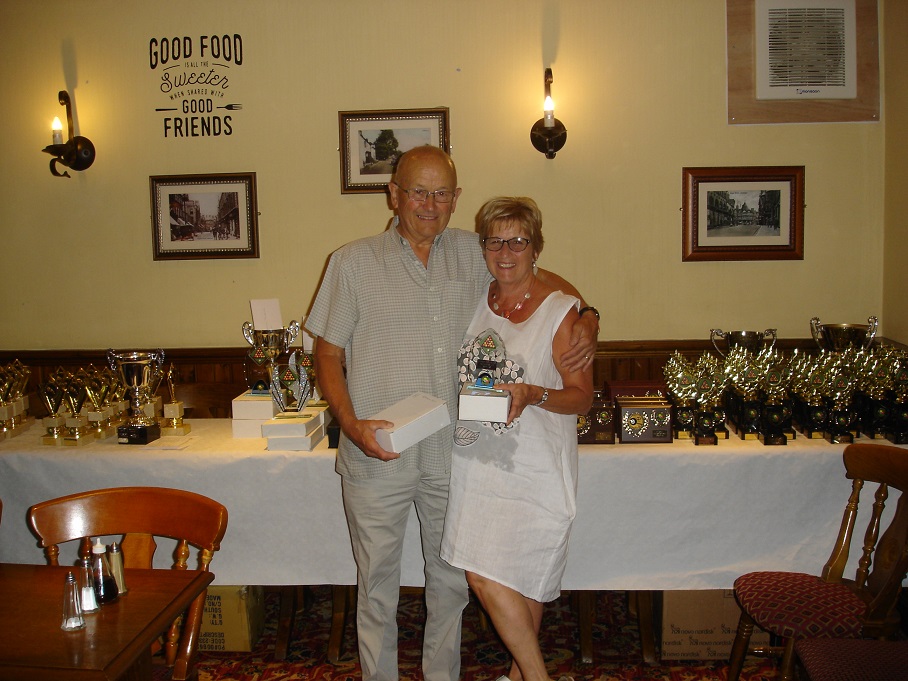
(513, 488)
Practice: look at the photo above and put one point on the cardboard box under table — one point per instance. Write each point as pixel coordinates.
(701, 625)
(233, 619)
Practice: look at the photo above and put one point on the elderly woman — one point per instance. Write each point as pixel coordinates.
(513, 484)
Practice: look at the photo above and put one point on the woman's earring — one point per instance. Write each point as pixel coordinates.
(535, 268)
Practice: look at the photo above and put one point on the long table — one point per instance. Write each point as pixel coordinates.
(650, 516)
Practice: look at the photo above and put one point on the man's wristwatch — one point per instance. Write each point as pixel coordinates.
(589, 308)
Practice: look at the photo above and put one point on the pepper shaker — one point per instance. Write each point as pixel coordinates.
(115, 556)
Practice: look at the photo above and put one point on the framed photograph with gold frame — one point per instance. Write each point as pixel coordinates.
(743, 213)
(372, 141)
(196, 217)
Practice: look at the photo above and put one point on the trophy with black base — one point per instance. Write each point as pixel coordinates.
(776, 412)
(808, 381)
(743, 396)
(872, 396)
(139, 370)
(897, 428)
(709, 386)
(680, 381)
(840, 423)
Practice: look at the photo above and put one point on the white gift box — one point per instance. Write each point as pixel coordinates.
(249, 406)
(415, 418)
(296, 443)
(297, 423)
(484, 404)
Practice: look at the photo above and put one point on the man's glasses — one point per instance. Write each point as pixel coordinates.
(515, 243)
(420, 195)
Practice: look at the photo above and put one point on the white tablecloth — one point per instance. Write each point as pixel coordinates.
(657, 516)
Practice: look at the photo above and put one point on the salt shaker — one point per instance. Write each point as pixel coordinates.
(115, 556)
(89, 601)
(72, 606)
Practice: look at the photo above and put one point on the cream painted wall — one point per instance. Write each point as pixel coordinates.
(895, 300)
(639, 85)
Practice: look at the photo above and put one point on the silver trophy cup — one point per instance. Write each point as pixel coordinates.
(141, 373)
(838, 337)
(267, 345)
(749, 340)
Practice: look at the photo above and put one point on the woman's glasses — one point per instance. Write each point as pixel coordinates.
(515, 243)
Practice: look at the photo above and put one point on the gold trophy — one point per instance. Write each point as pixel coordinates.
(54, 423)
(78, 432)
(7, 417)
(173, 411)
(100, 413)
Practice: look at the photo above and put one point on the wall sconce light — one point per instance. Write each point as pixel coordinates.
(548, 134)
(77, 152)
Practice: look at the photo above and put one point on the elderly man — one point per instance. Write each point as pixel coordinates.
(390, 317)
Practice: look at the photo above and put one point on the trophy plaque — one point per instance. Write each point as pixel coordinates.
(597, 426)
(139, 371)
(643, 419)
(172, 423)
(838, 337)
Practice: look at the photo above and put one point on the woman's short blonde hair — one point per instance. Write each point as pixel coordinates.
(520, 210)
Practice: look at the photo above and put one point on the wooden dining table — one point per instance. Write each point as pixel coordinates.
(115, 642)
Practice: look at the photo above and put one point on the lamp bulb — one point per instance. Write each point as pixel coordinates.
(57, 130)
(549, 112)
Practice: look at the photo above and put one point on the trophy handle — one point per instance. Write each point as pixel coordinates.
(112, 359)
(716, 333)
(290, 334)
(248, 333)
(767, 334)
(815, 330)
(872, 324)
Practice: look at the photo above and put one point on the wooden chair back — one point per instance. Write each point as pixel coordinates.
(208, 400)
(883, 561)
(138, 515)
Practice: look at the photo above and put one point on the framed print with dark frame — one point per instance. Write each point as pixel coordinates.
(195, 217)
(372, 141)
(743, 213)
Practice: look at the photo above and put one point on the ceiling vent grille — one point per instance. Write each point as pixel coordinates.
(806, 49)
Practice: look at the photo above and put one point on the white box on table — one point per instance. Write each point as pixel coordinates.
(296, 443)
(415, 418)
(246, 428)
(296, 423)
(483, 404)
(250, 406)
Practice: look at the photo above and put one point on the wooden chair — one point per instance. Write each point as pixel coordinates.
(830, 659)
(795, 606)
(208, 400)
(140, 514)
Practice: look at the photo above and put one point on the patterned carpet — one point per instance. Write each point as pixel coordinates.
(615, 639)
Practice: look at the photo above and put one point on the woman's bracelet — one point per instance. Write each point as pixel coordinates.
(545, 396)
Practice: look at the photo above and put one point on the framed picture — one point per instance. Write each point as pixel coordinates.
(744, 213)
(204, 216)
(372, 141)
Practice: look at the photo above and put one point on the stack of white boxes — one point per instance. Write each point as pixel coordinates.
(250, 411)
(299, 430)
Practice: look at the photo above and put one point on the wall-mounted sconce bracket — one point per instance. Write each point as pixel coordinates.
(548, 134)
(77, 153)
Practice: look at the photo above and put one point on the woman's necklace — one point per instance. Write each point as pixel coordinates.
(519, 305)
